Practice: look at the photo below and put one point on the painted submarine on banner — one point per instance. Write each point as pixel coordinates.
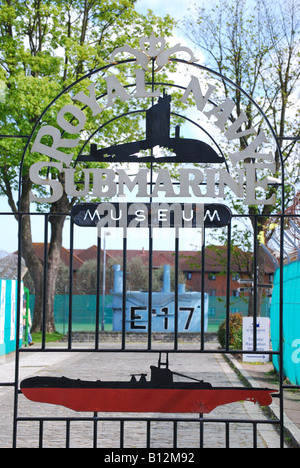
(160, 394)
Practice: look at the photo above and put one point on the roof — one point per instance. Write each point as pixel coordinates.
(9, 265)
(215, 259)
(86, 254)
(189, 261)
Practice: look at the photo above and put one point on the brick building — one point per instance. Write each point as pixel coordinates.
(190, 263)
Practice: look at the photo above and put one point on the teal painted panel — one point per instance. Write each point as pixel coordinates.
(291, 321)
(8, 316)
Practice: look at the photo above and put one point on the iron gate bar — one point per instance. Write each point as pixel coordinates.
(144, 350)
(46, 222)
(291, 387)
(124, 290)
(176, 294)
(255, 283)
(17, 325)
(150, 231)
(97, 322)
(149, 419)
(228, 285)
(95, 431)
(150, 267)
(281, 337)
(14, 136)
(71, 283)
(202, 289)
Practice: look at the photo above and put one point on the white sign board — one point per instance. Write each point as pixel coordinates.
(2, 310)
(262, 336)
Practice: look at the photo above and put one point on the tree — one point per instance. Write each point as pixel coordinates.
(257, 46)
(44, 46)
(137, 276)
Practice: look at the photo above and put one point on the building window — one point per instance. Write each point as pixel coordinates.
(235, 277)
(235, 293)
(188, 275)
(213, 293)
(212, 276)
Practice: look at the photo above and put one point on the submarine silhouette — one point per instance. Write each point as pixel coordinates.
(158, 395)
(157, 134)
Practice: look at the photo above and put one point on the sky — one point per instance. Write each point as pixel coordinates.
(175, 8)
(85, 237)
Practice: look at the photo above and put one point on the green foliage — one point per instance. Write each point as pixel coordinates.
(137, 277)
(50, 337)
(235, 332)
(256, 45)
(45, 46)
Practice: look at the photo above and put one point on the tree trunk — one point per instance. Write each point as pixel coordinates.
(54, 257)
(35, 267)
(33, 263)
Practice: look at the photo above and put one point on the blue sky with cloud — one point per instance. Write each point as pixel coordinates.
(178, 9)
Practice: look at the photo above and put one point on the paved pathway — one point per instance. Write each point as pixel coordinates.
(117, 366)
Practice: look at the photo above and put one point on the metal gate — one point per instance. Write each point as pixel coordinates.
(156, 135)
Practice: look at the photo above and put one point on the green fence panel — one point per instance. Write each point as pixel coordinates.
(238, 305)
(83, 312)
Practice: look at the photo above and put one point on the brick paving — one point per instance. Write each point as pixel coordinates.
(117, 366)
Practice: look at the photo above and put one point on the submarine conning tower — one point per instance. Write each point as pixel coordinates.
(158, 120)
(161, 376)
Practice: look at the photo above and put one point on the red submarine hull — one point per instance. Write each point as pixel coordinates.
(146, 400)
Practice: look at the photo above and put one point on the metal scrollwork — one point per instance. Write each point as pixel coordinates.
(155, 51)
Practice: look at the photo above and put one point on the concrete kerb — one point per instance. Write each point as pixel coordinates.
(291, 429)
